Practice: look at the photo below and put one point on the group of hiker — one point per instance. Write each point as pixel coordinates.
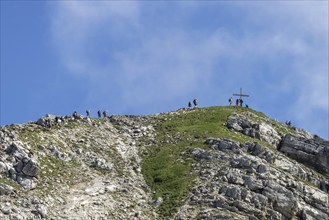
(195, 103)
(99, 113)
(237, 102)
(49, 122)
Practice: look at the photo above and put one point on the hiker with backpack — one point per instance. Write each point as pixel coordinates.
(99, 114)
(88, 113)
(230, 101)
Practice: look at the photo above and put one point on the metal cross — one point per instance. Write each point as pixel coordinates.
(241, 94)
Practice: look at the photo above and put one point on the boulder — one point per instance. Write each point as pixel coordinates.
(6, 210)
(44, 120)
(102, 164)
(26, 182)
(234, 193)
(31, 168)
(158, 202)
(311, 152)
(253, 184)
(262, 131)
(235, 178)
(316, 197)
(42, 210)
(3, 167)
(268, 134)
(285, 205)
(262, 168)
(309, 213)
(223, 144)
(5, 189)
(16, 151)
(238, 122)
(201, 154)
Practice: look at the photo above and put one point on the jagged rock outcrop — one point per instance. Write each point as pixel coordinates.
(79, 169)
(17, 161)
(312, 152)
(247, 180)
(262, 131)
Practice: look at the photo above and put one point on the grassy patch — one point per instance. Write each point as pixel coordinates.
(52, 170)
(10, 182)
(30, 136)
(167, 176)
(72, 125)
(167, 168)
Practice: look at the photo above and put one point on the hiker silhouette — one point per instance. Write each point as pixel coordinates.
(230, 101)
(195, 103)
(189, 105)
(104, 114)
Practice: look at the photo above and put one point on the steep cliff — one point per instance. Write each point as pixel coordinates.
(208, 163)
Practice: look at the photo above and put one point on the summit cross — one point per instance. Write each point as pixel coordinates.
(241, 94)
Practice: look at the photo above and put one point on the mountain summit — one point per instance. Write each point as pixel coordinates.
(201, 163)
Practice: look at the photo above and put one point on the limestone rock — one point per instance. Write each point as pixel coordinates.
(30, 168)
(3, 167)
(262, 131)
(17, 151)
(42, 210)
(201, 154)
(5, 189)
(26, 182)
(312, 152)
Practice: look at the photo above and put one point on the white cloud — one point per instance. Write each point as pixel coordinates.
(75, 23)
(145, 56)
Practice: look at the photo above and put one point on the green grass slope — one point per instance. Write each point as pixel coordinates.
(168, 166)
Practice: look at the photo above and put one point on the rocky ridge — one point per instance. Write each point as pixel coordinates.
(83, 168)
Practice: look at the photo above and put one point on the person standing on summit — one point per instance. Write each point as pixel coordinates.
(241, 102)
(195, 102)
(105, 114)
(230, 101)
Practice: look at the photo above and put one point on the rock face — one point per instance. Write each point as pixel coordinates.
(17, 161)
(262, 131)
(246, 181)
(85, 168)
(79, 169)
(312, 152)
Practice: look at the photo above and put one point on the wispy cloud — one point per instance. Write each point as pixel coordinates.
(147, 53)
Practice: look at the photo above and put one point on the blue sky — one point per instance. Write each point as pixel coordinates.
(142, 57)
